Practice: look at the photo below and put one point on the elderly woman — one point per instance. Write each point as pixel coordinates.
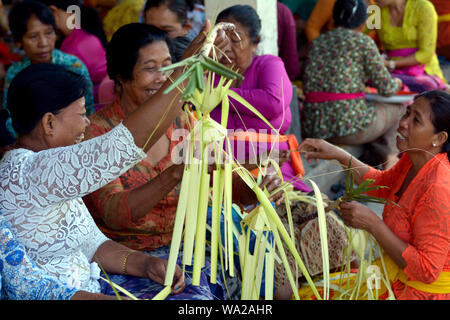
(415, 234)
(266, 86)
(341, 63)
(33, 28)
(50, 169)
(122, 208)
(408, 33)
(167, 15)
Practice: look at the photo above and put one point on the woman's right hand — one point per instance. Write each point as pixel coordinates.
(320, 149)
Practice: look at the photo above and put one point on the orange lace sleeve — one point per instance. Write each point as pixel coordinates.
(429, 246)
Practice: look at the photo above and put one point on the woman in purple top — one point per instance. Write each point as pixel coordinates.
(266, 85)
(87, 41)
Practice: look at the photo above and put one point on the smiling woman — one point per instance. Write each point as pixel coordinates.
(138, 208)
(134, 56)
(45, 177)
(414, 232)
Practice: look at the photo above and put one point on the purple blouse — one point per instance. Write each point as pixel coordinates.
(266, 86)
(88, 49)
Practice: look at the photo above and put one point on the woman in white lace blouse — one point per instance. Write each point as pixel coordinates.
(44, 177)
(21, 279)
(50, 169)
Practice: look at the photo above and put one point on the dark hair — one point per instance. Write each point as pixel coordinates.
(90, 19)
(122, 51)
(180, 45)
(42, 88)
(178, 7)
(349, 13)
(22, 11)
(245, 15)
(440, 106)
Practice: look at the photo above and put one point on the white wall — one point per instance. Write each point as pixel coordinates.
(267, 11)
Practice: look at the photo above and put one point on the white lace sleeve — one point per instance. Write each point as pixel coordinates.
(58, 174)
(22, 279)
(40, 196)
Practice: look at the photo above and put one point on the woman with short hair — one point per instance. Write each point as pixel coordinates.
(341, 63)
(50, 169)
(33, 26)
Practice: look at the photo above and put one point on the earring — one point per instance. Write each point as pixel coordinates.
(434, 144)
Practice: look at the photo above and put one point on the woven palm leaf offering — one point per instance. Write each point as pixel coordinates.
(370, 278)
(208, 140)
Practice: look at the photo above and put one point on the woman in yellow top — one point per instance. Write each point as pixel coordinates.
(408, 33)
(125, 12)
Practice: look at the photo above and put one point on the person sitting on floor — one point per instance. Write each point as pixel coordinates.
(341, 63)
(408, 33)
(50, 169)
(33, 27)
(21, 279)
(414, 231)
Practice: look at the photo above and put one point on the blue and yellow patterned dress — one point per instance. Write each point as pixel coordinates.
(20, 278)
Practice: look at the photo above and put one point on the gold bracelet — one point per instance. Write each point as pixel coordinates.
(124, 261)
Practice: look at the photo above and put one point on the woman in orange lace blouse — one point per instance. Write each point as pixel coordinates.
(415, 235)
(122, 209)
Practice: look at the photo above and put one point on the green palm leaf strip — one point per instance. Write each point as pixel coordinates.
(196, 191)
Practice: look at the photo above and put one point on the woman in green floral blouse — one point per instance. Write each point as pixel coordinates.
(342, 62)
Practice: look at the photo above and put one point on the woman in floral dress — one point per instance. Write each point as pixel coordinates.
(342, 62)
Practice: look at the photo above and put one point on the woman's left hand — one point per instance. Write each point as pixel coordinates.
(357, 215)
(156, 270)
